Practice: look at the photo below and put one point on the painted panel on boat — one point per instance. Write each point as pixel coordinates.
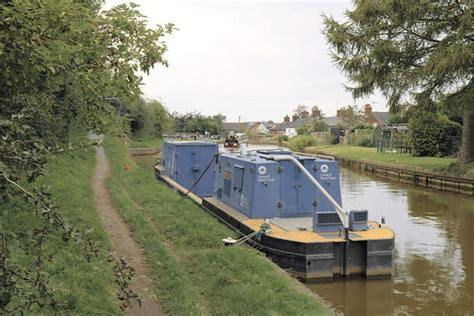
(184, 162)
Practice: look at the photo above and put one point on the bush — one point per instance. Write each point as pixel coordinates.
(320, 126)
(282, 138)
(450, 137)
(303, 130)
(366, 142)
(432, 134)
(298, 143)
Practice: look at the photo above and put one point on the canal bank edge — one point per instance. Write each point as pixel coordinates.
(405, 175)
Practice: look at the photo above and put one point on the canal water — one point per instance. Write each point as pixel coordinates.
(433, 257)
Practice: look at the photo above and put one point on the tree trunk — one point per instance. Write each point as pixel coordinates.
(466, 154)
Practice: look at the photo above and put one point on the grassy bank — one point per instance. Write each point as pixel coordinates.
(85, 287)
(370, 154)
(193, 272)
(140, 142)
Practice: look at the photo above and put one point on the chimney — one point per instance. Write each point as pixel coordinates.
(304, 114)
(286, 119)
(339, 112)
(294, 117)
(316, 114)
(367, 109)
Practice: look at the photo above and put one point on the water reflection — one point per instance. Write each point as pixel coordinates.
(434, 251)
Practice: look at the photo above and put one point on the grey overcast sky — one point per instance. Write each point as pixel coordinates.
(253, 59)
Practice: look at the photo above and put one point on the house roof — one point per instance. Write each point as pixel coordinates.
(381, 117)
(332, 120)
(296, 123)
(235, 126)
(273, 126)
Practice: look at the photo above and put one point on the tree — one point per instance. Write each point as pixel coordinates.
(433, 134)
(147, 118)
(300, 108)
(60, 61)
(350, 116)
(197, 123)
(303, 129)
(420, 50)
(316, 112)
(320, 126)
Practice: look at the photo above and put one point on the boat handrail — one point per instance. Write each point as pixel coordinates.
(327, 157)
(343, 215)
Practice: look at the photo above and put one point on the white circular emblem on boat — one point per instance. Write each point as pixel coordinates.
(324, 168)
(262, 170)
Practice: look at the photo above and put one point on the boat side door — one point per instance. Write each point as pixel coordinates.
(288, 203)
(306, 189)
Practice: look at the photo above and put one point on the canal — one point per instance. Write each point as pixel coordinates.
(433, 257)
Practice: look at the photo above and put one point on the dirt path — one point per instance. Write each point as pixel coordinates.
(122, 242)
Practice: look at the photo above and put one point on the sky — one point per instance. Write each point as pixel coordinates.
(256, 60)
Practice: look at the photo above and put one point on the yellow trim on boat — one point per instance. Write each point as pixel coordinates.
(373, 233)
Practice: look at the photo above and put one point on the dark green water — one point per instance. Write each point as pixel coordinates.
(434, 250)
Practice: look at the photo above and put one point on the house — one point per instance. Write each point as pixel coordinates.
(237, 127)
(257, 128)
(332, 121)
(289, 128)
(375, 118)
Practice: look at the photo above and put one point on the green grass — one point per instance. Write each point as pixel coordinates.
(86, 287)
(140, 142)
(193, 272)
(370, 154)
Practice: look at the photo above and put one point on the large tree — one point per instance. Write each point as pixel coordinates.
(420, 50)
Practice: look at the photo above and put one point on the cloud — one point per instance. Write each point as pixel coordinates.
(256, 59)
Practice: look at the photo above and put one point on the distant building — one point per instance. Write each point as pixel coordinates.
(332, 121)
(258, 128)
(234, 126)
(244, 127)
(290, 124)
(375, 118)
(289, 128)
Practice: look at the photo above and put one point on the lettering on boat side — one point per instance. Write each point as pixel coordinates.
(244, 202)
(265, 178)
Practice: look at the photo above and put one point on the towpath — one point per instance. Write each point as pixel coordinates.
(122, 242)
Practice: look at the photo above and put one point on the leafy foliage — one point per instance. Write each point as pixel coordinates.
(300, 108)
(351, 116)
(320, 126)
(303, 130)
(59, 61)
(432, 134)
(147, 118)
(299, 143)
(197, 123)
(282, 138)
(410, 50)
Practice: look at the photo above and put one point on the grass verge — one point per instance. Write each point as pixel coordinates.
(87, 288)
(140, 142)
(193, 272)
(370, 154)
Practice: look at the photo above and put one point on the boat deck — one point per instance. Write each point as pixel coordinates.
(175, 185)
